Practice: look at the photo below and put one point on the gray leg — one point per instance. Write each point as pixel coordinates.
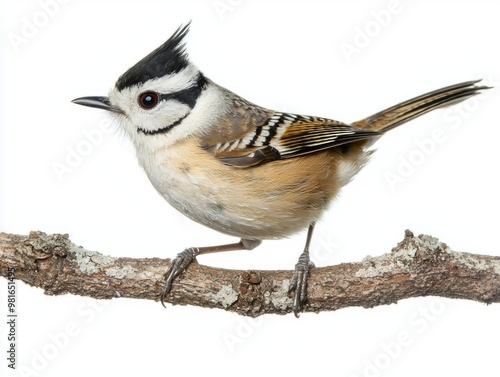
(185, 258)
(299, 280)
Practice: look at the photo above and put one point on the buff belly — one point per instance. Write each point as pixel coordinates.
(270, 201)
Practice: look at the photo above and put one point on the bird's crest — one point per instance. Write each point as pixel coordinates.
(167, 59)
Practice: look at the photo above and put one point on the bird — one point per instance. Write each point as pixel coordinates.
(239, 168)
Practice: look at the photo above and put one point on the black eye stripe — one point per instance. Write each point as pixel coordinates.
(187, 96)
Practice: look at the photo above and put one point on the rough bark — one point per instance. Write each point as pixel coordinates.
(417, 266)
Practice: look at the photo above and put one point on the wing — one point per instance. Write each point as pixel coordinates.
(284, 136)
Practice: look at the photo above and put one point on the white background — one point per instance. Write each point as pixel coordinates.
(282, 55)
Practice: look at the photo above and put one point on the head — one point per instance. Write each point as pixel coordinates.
(160, 98)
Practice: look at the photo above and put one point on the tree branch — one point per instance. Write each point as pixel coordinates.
(417, 266)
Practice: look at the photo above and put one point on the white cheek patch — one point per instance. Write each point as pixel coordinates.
(167, 112)
(163, 116)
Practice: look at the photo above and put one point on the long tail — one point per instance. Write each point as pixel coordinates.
(401, 113)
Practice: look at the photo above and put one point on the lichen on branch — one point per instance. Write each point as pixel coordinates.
(417, 266)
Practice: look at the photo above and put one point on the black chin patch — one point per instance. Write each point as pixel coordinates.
(169, 58)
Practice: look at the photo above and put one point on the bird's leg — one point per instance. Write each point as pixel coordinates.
(184, 259)
(299, 280)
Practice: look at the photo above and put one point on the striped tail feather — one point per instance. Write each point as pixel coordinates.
(405, 111)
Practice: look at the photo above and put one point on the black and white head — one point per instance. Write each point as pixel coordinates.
(163, 98)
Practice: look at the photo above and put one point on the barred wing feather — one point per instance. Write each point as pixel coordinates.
(286, 136)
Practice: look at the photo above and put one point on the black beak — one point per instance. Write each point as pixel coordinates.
(97, 102)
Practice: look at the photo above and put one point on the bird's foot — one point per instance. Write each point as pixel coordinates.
(299, 283)
(178, 266)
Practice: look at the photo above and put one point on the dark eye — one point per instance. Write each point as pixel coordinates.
(148, 100)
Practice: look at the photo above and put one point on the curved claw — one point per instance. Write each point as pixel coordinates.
(162, 298)
(178, 266)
